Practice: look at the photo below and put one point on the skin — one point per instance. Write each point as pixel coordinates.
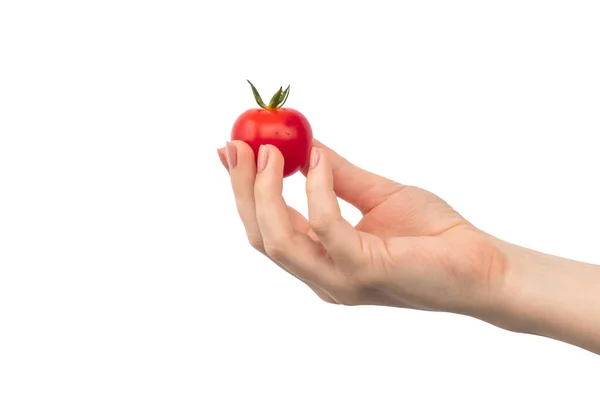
(411, 249)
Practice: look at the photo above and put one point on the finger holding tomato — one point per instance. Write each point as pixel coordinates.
(285, 128)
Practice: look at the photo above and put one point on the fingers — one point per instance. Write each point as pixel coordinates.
(302, 256)
(363, 189)
(298, 220)
(242, 172)
(337, 235)
(243, 186)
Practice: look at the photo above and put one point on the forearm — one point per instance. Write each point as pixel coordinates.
(550, 296)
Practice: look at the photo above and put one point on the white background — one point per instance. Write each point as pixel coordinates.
(124, 269)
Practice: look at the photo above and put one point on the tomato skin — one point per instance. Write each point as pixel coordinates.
(285, 128)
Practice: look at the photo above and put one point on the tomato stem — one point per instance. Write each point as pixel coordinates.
(277, 101)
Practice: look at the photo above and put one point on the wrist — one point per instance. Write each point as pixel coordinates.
(518, 292)
(547, 296)
(497, 302)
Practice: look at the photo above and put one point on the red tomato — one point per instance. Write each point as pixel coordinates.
(284, 128)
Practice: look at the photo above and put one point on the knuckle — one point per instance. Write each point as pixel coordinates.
(255, 241)
(277, 251)
(257, 244)
(319, 224)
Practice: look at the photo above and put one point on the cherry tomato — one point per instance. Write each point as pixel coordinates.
(285, 128)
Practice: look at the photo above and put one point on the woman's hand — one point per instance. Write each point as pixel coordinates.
(411, 249)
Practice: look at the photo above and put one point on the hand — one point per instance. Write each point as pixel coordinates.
(411, 249)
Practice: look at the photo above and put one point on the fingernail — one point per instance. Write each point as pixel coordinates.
(314, 158)
(231, 151)
(263, 157)
(222, 157)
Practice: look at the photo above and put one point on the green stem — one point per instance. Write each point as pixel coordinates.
(277, 101)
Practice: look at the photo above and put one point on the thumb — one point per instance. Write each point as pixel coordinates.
(363, 189)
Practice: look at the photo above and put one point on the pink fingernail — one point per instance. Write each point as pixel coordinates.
(231, 151)
(263, 157)
(222, 157)
(314, 158)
